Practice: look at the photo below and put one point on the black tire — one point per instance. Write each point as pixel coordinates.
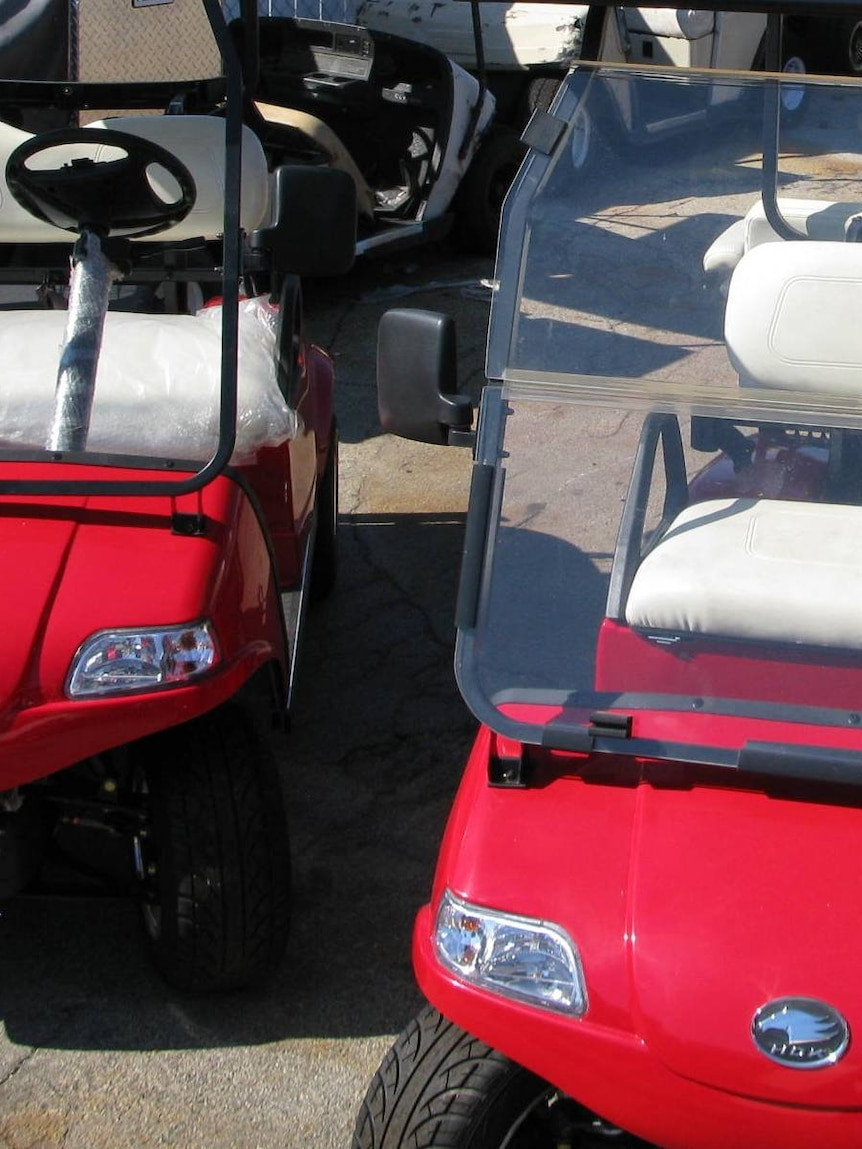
(215, 859)
(849, 56)
(324, 560)
(440, 1088)
(480, 197)
(540, 94)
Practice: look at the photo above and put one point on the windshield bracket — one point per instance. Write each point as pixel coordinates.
(607, 724)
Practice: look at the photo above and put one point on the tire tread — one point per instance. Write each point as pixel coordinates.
(223, 859)
(435, 1089)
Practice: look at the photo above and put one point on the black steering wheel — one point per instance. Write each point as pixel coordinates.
(141, 192)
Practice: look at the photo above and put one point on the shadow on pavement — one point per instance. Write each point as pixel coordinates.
(379, 738)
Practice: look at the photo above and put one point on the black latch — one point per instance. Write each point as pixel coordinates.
(606, 724)
(192, 526)
(543, 132)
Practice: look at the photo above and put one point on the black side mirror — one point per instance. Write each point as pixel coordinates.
(314, 227)
(417, 378)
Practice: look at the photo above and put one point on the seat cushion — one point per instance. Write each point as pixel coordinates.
(815, 218)
(157, 384)
(757, 569)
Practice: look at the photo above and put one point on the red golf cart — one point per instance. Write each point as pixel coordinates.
(644, 924)
(168, 466)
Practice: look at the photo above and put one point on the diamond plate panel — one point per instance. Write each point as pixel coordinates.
(158, 42)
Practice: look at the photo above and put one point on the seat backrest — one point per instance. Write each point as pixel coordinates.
(814, 218)
(792, 319)
(197, 141)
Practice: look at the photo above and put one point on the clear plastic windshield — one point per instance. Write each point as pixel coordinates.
(669, 470)
(621, 243)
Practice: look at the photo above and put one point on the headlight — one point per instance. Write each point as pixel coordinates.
(522, 958)
(126, 661)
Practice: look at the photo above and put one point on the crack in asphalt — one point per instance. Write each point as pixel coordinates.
(403, 593)
(19, 1064)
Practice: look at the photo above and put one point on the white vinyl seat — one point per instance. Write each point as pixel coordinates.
(772, 569)
(681, 37)
(197, 141)
(816, 219)
(792, 318)
(759, 569)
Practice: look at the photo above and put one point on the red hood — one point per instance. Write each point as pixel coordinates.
(737, 900)
(73, 566)
(35, 553)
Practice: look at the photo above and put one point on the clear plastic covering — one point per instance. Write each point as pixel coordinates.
(157, 384)
(669, 470)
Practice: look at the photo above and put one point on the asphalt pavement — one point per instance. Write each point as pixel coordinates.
(94, 1050)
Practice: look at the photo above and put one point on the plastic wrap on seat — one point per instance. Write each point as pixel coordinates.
(157, 385)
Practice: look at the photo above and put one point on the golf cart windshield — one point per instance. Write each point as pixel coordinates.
(129, 189)
(664, 550)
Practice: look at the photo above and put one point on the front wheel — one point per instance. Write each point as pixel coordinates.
(440, 1088)
(212, 855)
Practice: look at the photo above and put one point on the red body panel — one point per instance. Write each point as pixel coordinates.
(629, 661)
(786, 472)
(692, 902)
(284, 480)
(75, 566)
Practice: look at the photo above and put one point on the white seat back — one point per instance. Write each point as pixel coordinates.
(197, 141)
(792, 319)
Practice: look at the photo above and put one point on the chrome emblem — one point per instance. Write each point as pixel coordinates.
(800, 1032)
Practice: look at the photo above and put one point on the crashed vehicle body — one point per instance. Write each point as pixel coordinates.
(643, 925)
(400, 117)
(168, 482)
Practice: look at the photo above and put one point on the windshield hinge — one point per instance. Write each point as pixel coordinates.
(606, 724)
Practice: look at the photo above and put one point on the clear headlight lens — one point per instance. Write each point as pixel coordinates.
(126, 661)
(522, 958)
